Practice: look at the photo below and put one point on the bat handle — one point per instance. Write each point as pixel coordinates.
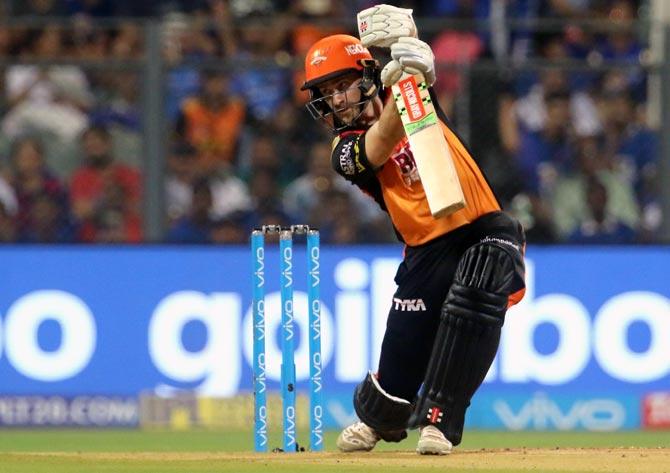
(418, 77)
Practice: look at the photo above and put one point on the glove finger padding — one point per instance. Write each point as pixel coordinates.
(391, 73)
(417, 65)
(415, 55)
(382, 25)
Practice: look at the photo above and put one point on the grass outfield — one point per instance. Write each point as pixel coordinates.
(130, 451)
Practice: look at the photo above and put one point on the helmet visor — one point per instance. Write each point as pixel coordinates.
(338, 110)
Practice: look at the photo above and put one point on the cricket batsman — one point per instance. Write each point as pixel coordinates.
(459, 273)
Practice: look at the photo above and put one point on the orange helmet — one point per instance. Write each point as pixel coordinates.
(333, 56)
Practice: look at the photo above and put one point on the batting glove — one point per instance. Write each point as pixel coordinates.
(411, 56)
(382, 25)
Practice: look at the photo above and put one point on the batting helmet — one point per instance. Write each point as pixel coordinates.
(335, 56)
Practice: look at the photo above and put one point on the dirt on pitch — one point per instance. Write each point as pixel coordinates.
(623, 460)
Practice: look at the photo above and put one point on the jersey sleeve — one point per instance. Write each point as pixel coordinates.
(349, 160)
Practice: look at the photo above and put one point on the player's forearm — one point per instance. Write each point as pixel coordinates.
(383, 136)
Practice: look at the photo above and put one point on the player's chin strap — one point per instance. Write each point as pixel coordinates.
(370, 81)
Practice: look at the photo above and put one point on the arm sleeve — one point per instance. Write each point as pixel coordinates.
(349, 160)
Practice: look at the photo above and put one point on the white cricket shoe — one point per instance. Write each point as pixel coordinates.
(432, 442)
(358, 437)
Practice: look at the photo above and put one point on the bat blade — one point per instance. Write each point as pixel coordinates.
(429, 146)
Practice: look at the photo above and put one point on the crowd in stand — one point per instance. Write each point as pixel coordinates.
(568, 151)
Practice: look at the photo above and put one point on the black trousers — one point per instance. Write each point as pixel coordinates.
(424, 278)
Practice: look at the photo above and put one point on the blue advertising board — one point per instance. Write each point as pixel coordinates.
(117, 321)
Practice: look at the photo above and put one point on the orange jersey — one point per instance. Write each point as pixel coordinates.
(397, 186)
(213, 132)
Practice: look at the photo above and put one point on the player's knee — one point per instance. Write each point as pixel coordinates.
(482, 283)
(386, 414)
(486, 266)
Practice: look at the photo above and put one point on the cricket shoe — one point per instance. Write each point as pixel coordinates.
(358, 437)
(432, 442)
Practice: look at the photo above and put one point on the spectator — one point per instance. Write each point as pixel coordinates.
(121, 109)
(95, 8)
(600, 227)
(544, 152)
(570, 194)
(50, 100)
(7, 225)
(266, 87)
(8, 197)
(212, 122)
(456, 47)
(39, 8)
(242, 129)
(43, 211)
(262, 155)
(307, 194)
(105, 195)
(265, 190)
(620, 44)
(631, 148)
(196, 226)
(304, 194)
(266, 198)
(311, 25)
(535, 215)
(48, 222)
(182, 81)
(529, 112)
(293, 133)
(229, 193)
(127, 42)
(567, 8)
(231, 230)
(181, 175)
(337, 219)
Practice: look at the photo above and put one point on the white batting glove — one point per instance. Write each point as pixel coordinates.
(411, 56)
(382, 25)
(391, 73)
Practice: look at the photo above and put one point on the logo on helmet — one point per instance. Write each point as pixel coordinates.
(316, 60)
(354, 49)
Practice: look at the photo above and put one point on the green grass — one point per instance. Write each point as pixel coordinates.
(86, 440)
(127, 451)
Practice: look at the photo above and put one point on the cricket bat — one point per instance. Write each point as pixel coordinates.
(429, 146)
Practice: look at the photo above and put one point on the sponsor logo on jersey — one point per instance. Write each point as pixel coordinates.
(346, 160)
(409, 305)
(404, 159)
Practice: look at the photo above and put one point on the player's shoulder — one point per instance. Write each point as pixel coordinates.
(346, 153)
(346, 136)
